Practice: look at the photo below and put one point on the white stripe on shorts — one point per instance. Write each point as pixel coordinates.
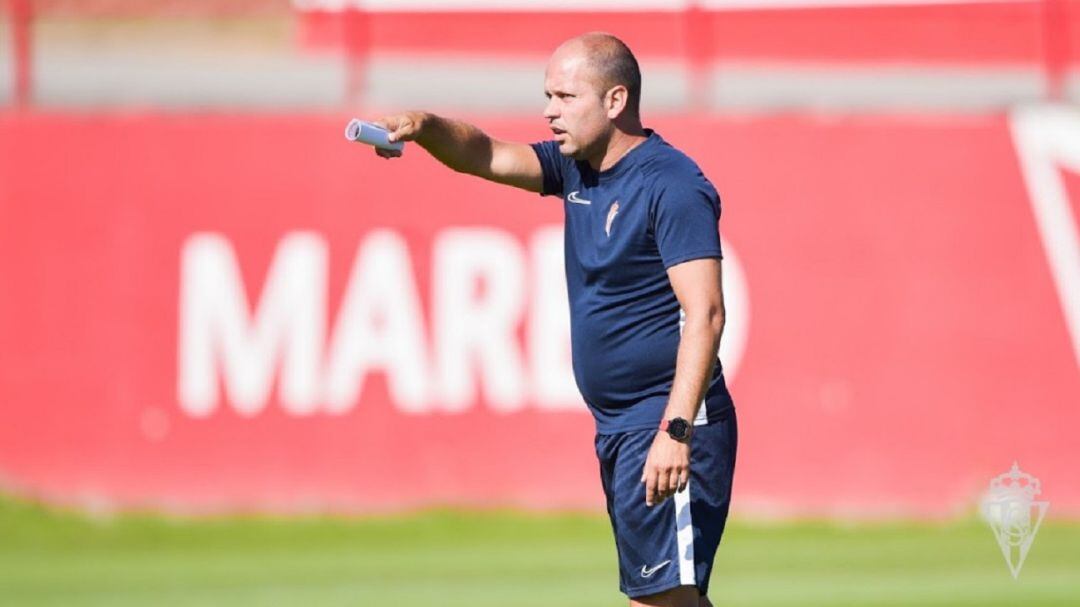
(684, 536)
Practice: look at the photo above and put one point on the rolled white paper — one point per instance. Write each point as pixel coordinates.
(371, 134)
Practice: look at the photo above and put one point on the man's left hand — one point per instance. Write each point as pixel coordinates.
(667, 469)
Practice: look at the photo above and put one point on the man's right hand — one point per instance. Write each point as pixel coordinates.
(402, 127)
(466, 149)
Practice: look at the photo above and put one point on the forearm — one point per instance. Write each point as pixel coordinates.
(694, 365)
(458, 145)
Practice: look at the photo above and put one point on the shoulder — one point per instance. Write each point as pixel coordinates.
(546, 151)
(550, 157)
(675, 181)
(669, 169)
(558, 171)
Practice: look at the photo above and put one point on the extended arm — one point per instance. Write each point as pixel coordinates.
(697, 286)
(466, 149)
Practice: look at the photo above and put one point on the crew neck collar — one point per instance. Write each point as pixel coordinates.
(627, 158)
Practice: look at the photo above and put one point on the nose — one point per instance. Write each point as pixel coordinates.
(551, 110)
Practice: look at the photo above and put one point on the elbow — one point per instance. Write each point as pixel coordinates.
(711, 319)
(717, 320)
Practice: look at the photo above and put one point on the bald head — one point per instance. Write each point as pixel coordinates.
(593, 86)
(609, 62)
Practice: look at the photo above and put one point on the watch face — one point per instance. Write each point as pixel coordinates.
(678, 428)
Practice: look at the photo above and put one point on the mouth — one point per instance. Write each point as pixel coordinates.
(557, 131)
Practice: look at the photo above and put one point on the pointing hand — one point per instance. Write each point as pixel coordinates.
(402, 127)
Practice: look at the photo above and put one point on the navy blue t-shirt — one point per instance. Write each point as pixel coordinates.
(624, 227)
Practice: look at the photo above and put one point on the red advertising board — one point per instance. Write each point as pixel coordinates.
(208, 313)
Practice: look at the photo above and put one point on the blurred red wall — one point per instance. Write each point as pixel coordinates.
(1004, 33)
(905, 339)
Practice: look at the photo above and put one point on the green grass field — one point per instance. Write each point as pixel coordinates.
(503, 559)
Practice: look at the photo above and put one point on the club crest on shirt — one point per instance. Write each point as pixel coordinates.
(612, 212)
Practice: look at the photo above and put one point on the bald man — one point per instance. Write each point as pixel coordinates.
(643, 267)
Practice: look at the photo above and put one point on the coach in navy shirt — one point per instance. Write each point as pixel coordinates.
(643, 268)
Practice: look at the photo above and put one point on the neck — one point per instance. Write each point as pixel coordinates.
(621, 142)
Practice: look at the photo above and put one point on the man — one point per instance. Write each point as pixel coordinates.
(643, 277)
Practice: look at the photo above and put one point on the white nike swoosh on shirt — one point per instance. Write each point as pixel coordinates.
(573, 197)
(646, 572)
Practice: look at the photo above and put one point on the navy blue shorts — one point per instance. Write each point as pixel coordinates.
(673, 543)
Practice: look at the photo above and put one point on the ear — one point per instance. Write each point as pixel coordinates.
(615, 101)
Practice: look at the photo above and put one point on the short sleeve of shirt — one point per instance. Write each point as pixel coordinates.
(686, 220)
(551, 163)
